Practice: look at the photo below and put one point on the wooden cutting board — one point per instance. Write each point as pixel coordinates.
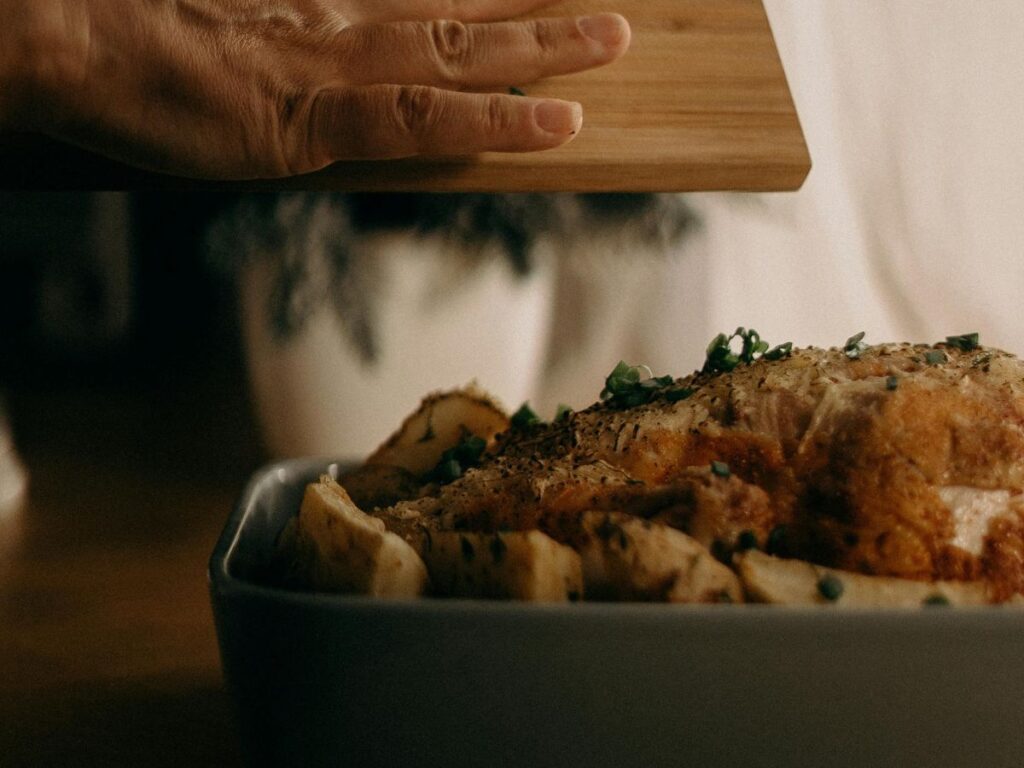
(700, 102)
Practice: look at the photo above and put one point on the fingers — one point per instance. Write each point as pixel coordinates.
(389, 121)
(461, 10)
(455, 55)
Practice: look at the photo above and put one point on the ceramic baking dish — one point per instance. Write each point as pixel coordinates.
(348, 681)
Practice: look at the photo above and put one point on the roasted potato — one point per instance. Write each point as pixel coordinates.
(441, 422)
(626, 558)
(517, 565)
(769, 579)
(337, 548)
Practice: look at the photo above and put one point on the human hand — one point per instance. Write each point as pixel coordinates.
(236, 89)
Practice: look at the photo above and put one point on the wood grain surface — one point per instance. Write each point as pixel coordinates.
(108, 655)
(700, 102)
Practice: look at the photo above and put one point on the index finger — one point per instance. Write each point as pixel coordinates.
(378, 11)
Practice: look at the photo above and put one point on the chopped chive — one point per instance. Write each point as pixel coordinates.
(779, 352)
(777, 538)
(721, 469)
(563, 411)
(513, 91)
(458, 459)
(830, 587)
(935, 357)
(966, 342)
(721, 358)
(631, 385)
(855, 345)
(524, 417)
(449, 470)
(470, 449)
(747, 540)
(720, 551)
(892, 383)
(935, 599)
(676, 395)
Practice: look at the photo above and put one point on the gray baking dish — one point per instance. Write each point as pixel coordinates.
(350, 681)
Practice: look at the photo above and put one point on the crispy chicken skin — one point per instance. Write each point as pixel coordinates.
(906, 460)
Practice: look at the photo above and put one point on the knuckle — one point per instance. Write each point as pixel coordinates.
(546, 37)
(295, 132)
(498, 117)
(416, 108)
(452, 46)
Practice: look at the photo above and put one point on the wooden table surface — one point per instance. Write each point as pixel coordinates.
(107, 648)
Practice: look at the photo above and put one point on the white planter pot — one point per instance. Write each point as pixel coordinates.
(314, 393)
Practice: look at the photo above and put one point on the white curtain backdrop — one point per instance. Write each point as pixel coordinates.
(911, 224)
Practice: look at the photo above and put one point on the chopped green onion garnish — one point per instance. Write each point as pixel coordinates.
(524, 417)
(632, 385)
(449, 470)
(675, 395)
(563, 411)
(965, 342)
(830, 587)
(779, 352)
(456, 460)
(935, 357)
(776, 544)
(855, 345)
(935, 600)
(747, 540)
(720, 357)
(720, 551)
(721, 469)
(513, 91)
(892, 383)
(622, 380)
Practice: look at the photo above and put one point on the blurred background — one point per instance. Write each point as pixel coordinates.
(157, 348)
(330, 316)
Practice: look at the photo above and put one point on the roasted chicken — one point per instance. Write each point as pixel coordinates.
(892, 460)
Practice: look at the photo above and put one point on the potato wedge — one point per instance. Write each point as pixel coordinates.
(626, 558)
(769, 579)
(522, 565)
(339, 548)
(441, 422)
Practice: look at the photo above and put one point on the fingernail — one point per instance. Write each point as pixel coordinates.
(606, 28)
(563, 117)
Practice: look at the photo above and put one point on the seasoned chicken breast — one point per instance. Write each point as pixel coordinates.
(896, 460)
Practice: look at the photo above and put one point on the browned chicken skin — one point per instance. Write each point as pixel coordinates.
(903, 460)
